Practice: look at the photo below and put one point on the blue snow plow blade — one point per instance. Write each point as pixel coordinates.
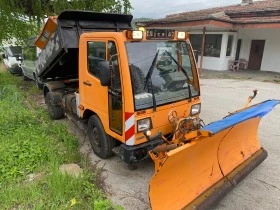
(258, 110)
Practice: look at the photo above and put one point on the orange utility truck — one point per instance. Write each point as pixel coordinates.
(138, 95)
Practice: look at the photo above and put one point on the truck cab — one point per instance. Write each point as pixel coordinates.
(140, 94)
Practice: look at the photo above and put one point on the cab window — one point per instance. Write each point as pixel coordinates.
(96, 54)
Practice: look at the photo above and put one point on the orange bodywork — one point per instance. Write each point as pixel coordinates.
(46, 33)
(183, 174)
(90, 94)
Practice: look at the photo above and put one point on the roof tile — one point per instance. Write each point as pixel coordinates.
(229, 13)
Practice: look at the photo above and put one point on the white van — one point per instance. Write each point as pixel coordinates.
(12, 58)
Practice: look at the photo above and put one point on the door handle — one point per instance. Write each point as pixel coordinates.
(87, 83)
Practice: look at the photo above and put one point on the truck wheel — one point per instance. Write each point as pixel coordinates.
(55, 111)
(101, 143)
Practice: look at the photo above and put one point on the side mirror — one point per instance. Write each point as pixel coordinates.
(104, 73)
(3, 56)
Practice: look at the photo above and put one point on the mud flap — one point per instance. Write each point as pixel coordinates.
(198, 174)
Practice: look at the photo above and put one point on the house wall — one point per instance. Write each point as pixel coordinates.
(219, 63)
(271, 54)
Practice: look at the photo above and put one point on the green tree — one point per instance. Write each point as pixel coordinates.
(21, 19)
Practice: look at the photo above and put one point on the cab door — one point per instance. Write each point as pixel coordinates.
(92, 94)
(105, 101)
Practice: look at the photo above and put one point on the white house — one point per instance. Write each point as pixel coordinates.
(249, 30)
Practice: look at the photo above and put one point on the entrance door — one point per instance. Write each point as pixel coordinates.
(256, 54)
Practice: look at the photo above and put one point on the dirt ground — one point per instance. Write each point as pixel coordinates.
(260, 190)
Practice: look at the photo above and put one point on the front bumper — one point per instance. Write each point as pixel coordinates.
(136, 153)
(16, 70)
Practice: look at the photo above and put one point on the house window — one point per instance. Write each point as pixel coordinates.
(212, 47)
(213, 44)
(229, 45)
(196, 40)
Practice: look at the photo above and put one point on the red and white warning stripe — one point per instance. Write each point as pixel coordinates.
(129, 129)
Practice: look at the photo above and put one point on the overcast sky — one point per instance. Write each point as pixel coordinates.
(160, 8)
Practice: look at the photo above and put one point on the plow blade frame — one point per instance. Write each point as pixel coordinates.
(198, 174)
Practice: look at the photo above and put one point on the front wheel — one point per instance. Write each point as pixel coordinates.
(55, 111)
(101, 143)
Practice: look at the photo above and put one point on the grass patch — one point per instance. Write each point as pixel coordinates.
(2, 66)
(32, 144)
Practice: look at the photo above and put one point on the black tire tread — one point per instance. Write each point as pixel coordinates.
(56, 112)
(107, 142)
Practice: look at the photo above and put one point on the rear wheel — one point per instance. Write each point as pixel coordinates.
(55, 111)
(101, 143)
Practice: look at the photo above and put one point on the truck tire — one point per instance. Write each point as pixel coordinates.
(55, 111)
(101, 143)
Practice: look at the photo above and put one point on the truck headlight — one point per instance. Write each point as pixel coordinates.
(181, 35)
(136, 35)
(144, 124)
(195, 109)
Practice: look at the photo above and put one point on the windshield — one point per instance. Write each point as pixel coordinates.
(14, 51)
(161, 72)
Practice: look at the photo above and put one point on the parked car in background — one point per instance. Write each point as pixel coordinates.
(12, 58)
(29, 57)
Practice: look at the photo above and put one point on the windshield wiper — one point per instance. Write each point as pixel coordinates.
(184, 72)
(148, 77)
(151, 69)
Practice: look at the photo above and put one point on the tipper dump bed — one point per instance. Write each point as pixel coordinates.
(59, 40)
